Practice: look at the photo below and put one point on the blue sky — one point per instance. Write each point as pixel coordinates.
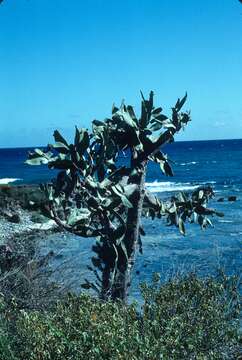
(63, 63)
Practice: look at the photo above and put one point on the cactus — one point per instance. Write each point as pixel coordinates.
(93, 196)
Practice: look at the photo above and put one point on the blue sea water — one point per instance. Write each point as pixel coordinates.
(195, 163)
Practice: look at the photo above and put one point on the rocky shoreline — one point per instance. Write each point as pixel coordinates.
(20, 212)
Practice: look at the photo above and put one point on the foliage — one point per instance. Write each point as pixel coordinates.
(186, 318)
(94, 196)
(197, 319)
(6, 342)
(5, 345)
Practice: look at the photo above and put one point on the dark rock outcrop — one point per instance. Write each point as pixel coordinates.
(27, 196)
(232, 198)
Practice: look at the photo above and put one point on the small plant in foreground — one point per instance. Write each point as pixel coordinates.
(6, 340)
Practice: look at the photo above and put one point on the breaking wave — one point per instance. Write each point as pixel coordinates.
(189, 163)
(167, 186)
(6, 181)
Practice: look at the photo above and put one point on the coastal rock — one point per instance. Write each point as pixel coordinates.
(38, 218)
(48, 225)
(232, 198)
(27, 196)
(12, 217)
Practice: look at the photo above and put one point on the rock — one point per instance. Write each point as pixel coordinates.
(28, 196)
(232, 198)
(11, 216)
(14, 218)
(221, 200)
(49, 225)
(39, 218)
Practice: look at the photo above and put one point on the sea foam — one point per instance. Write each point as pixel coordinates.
(168, 186)
(189, 163)
(6, 181)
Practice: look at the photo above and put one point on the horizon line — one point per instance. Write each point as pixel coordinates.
(177, 141)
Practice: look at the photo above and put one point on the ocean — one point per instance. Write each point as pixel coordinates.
(165, 250)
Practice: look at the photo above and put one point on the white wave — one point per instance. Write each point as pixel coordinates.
(208, 183)
(225, 221)
(168, 186)
(189, 163)
(5, 181)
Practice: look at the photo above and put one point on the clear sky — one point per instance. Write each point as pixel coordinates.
(64, 62)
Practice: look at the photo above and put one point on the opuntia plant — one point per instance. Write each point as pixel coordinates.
(94, 196)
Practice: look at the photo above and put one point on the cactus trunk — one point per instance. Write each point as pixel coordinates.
(131, 239)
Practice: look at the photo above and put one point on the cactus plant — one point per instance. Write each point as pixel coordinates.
(94, 196)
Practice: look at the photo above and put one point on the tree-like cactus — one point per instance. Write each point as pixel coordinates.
(94, 196)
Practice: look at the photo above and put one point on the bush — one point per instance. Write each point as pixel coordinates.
(192, 318)
(188, 318)
(6, 352)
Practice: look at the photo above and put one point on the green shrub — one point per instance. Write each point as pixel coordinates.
(6, 343)
(188, 318)
(191, 318)
(80, 328)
